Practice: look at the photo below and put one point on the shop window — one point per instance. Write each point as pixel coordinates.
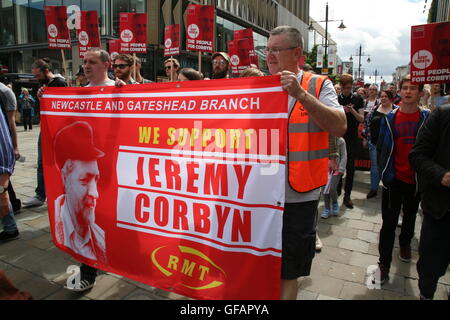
(22, 21)
(6, 23)
(38, 33)
(53, 2)
(118, 7)
(137, 6)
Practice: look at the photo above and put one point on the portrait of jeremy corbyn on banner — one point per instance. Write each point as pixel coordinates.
(75, 225)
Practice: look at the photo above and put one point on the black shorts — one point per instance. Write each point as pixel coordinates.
(299, 239)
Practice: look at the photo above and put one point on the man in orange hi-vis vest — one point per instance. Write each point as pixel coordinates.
(314, 113)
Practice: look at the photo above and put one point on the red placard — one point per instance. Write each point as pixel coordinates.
(238, 51)
(186, 192)
(88, 34)
(430, 53)
(200, 28)
(114, 48)
(57, 31)
(172, 40)
(248, 34)
(133, 32)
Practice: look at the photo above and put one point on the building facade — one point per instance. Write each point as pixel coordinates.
(439, 11)
(23, 35)
(400, 72)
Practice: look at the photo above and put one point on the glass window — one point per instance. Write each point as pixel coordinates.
(91, 5)
(38, 34)
(137, 6)
(22, 21)
(118, 7)
(7, 23)
(53, 2)
(72, 2)
(6, 3)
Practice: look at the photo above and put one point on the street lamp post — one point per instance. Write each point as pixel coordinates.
(360, 54)
(341, 27)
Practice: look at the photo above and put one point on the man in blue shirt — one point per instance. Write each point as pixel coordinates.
(7, 161)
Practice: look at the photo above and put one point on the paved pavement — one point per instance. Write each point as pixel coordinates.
(34, 264)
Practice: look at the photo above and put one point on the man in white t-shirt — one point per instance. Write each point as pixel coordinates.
(95, 65)
(324, 115)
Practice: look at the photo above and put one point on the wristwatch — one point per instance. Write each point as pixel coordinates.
(3, 189)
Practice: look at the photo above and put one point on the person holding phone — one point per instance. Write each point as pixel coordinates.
(354, 110)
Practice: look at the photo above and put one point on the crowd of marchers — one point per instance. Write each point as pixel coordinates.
(406, 129)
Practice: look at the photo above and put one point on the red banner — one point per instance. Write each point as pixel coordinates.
(179, 186)
(200, 28)
(172, 40)
(133, 32)
(238, 51)
(430, 53)
(248, 34)
(57, 31)
(114, 48)
(88, 34)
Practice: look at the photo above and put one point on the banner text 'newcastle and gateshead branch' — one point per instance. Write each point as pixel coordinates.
(178, 185)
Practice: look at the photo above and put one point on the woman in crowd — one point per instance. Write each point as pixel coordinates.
(372, 101)
(26, 103)
(438, 98)
(371, 131)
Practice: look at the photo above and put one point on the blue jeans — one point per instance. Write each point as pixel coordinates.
(40, 189)
(374, 173)
(9, 222)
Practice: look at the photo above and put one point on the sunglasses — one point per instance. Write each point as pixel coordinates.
(120, 66)
(168, 67)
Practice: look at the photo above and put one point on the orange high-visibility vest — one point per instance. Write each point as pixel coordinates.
(308, 143)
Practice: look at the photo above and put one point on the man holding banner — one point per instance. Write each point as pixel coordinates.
(315, 113)
(95, 65)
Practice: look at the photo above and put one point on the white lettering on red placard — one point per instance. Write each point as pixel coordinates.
(430, 61)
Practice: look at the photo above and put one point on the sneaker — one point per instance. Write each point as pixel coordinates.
(405, 254)
(33, 202)
(326, 213)
(400, 221)
(83, 285)
(335, 209)
(381, 274)
(348, 202)
(372, 194)
(319, 244)
(8, 236)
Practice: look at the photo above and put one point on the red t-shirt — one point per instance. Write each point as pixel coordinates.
(405, 132)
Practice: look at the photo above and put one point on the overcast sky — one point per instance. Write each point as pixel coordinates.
(382, 27)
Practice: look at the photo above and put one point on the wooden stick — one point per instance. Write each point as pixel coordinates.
(64, 64)
(134, 66)
(171, 70)
(200, 61)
